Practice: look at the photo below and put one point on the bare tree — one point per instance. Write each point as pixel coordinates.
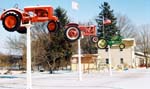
(3, 60)
(143, 41)
(17, 45)
(124, 24)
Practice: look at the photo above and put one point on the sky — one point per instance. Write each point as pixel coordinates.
(136, 10)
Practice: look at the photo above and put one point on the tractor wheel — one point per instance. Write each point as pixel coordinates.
(11, 21)
(102, 43)
(72, 33)
(52, 26)
(121, 46)
(94, 39)
(22, 30)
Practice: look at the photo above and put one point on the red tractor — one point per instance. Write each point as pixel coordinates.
(74, 31)
(15, 19)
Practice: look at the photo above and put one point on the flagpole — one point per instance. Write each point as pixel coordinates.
(103, 26)
(109, 52)
(75, 7)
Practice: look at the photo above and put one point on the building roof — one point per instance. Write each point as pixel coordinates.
(85, 58)
(85, 55)
(140, 54)
(128, 42)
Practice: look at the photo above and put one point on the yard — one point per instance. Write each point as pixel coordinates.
(130, 79)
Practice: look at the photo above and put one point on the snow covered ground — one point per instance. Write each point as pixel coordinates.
(130, 79)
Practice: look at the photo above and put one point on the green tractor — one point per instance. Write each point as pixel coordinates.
(117, 39)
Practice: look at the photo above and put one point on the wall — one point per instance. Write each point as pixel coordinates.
(116, 55)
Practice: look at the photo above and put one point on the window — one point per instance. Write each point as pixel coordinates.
(107, 61)
(121, 60)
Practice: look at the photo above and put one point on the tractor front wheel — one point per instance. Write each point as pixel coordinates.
(22, 30)
(52, 26)
(94, 39)
(11, 21)
(121, 46)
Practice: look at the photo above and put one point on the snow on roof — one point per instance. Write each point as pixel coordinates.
(83, 55)
(140, 54)
(129, 39)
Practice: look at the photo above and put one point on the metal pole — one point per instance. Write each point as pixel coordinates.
(109, 56)
(79, 60)
(29, 80)
(103, 27)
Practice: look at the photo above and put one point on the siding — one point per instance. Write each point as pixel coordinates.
(116, 55)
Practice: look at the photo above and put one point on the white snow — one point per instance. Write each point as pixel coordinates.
(130, 79)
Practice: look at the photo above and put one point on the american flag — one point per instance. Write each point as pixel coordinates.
(106, 21)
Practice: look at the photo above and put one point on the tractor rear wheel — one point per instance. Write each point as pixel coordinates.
(72, 33)
(102, 43)
(11, 21)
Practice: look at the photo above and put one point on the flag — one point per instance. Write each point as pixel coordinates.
(106, 21)
(75, 5)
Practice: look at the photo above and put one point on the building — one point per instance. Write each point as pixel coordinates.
(119, 58)
(141, 59)
(88, 62)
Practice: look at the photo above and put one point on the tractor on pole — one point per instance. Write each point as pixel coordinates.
(14, 19)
